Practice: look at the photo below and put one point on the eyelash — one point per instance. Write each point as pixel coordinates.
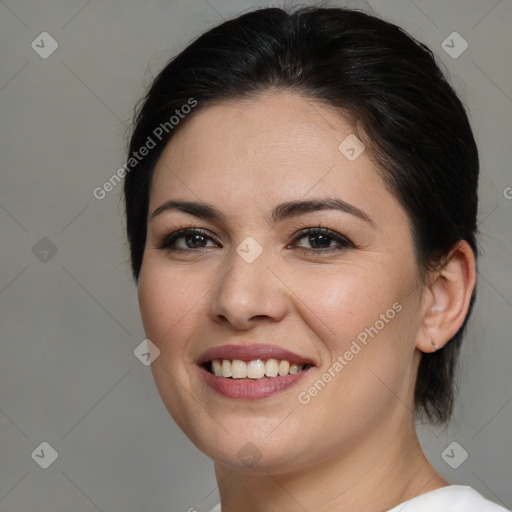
(344, 243)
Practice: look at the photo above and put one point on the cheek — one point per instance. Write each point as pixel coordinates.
(371, 316)
(363, 321)
(347, 302)
(366, 332)
(167, 302)
(169, 306)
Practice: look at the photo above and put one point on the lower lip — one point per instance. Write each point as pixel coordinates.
(250, 389)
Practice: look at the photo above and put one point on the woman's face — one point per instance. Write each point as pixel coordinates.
(343, 298)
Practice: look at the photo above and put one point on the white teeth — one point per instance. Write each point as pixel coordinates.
(272, 368)
(255, 369)
(217, 367)
(238, 369)
(284, 367)
(226, 368)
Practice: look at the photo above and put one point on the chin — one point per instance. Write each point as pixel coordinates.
(251, 444)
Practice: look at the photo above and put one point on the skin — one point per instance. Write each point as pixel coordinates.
(353, 446)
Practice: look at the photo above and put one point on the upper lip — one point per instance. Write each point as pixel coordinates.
(250, 353)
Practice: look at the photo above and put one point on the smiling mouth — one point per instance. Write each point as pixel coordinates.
(255, 369)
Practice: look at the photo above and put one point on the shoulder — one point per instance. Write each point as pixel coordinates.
(452, 498)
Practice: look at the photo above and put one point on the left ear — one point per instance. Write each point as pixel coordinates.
(447, 298)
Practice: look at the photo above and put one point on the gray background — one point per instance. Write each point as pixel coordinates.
(70, 321)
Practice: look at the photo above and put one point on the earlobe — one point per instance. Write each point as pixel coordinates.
(449, 296)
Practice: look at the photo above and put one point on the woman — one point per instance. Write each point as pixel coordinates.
(301, 214)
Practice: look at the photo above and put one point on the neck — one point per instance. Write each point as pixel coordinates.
(375, 476)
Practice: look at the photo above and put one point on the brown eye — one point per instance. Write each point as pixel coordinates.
(192, 239)
(321, 241)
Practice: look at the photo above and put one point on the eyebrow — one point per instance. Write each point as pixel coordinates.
(279, 213)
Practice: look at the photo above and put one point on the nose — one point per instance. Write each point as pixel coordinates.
(248, 293)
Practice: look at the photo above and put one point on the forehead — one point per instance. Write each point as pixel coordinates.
(277, 147)
(272, 129)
